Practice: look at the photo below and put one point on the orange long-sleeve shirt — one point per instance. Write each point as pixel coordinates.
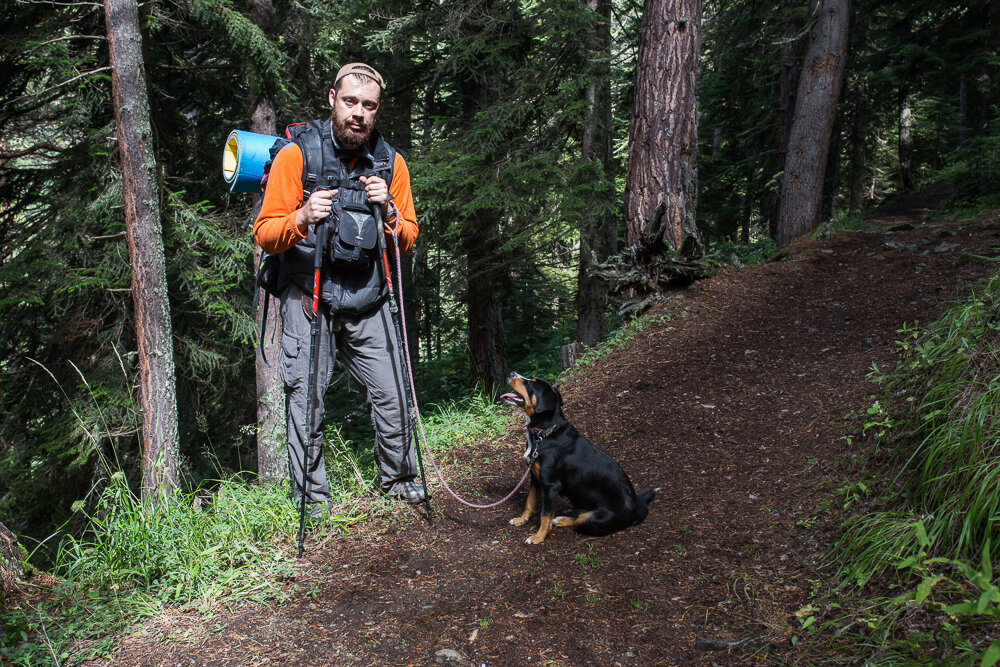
(275, 229)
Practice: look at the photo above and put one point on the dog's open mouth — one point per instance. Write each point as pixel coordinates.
(513, 399)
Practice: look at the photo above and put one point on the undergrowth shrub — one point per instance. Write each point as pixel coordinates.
(462, 423)
(182, 547)
(945, 398)
(135, 556)
(932, 536)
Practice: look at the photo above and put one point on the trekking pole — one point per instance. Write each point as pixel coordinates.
(403, 361)
(314, 441)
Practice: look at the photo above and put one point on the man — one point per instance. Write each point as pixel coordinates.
(353, 311)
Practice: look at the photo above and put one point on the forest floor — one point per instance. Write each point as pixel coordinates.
(735, 400)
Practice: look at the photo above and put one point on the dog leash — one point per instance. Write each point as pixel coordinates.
(416, 410)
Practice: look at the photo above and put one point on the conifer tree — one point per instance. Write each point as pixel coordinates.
(812, 124)
(661, 188)
(271, 417)
(158, 394)
(598, 231)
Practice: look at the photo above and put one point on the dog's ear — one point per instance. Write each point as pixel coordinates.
(549, 399)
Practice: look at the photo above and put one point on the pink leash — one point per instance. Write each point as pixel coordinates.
(413, 390)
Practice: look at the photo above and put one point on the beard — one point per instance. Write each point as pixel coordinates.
(347, 136)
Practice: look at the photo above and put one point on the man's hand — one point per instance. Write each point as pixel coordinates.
(316, 209)
(378, 193)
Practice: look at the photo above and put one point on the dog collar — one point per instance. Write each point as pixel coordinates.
(544, 433)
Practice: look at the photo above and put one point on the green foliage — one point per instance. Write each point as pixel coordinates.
(462, 423)
(740, 254)
(196, 549)
(941, 422)
(69, 348)
(974, 168)
(929, 527)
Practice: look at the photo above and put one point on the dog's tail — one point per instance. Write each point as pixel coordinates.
(641, 509)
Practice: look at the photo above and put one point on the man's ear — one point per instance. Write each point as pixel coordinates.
(332, 97)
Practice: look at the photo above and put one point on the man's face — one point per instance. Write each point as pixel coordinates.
(355, 108)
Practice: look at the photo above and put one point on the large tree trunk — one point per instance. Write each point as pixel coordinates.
(663, 146)
(272, 454)
(599, 233)
(815, 108)
(158, 395)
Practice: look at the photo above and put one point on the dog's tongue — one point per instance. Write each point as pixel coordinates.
(510, 398)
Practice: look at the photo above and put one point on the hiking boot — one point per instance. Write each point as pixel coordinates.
(409, 492)
(318, 511)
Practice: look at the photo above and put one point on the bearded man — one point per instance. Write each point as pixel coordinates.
(359, 172)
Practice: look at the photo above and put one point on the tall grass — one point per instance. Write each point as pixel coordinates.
(466, 422)
(945, 415)
(136, 556)
(184, 547)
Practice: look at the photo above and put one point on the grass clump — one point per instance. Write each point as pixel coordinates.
(923, 549)
(465, 422)
(135, 557)
(944, 428)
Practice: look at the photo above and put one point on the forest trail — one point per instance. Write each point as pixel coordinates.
(735, 401)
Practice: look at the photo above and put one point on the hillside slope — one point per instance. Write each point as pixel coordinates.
(734, 401)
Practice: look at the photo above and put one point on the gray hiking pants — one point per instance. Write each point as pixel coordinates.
(368, 346)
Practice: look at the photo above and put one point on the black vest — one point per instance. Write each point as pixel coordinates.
(350, 291)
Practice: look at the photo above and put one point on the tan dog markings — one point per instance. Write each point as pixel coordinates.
(534, 493)
(569, 521)
(544, 526)
(529, 403)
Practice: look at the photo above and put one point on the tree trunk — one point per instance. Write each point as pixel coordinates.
(158, 395)
(487, 342)
(11, 566)
(663, 144)
(599, 233)
(963, 107)
(272, 454)
(859, 146)
(486, 271)
(402, 139)
(905, 140)
(786, 107)
(815, 108)
(832, 180)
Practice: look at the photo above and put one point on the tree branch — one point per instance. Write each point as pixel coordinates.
(9, 155)
(58, 85)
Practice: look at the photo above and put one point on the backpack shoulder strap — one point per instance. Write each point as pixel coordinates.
(383, 159)
(309, 138)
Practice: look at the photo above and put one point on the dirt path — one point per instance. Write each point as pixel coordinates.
(733, 402)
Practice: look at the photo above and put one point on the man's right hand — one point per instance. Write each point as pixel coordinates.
(316, 209)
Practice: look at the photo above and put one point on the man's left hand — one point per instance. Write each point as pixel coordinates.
(378, 193)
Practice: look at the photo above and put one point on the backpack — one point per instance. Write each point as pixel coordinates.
(350, 246)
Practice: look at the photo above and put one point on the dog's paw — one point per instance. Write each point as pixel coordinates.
(518, 521)
(537, 538)
(564, 521)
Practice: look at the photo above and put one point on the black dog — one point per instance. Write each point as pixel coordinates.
(563, 461)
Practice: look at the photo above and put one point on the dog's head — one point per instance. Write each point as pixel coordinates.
(536, 397)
